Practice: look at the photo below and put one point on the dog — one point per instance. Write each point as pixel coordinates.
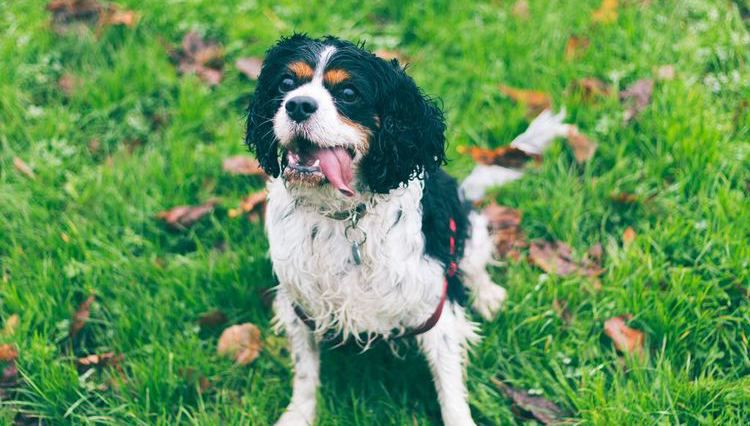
(369, 238)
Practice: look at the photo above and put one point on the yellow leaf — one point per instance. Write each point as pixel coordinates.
(607, 12)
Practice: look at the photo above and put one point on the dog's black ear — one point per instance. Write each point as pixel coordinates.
(259, 136)
(410, 138)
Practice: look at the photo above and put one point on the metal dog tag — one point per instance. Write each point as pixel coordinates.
(356, 254)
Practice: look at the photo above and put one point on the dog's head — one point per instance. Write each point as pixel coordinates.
(328, 112)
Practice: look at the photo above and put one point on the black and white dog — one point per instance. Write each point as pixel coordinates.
(368, 236)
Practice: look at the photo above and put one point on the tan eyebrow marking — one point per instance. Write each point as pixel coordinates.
(301, 69)
(335, 76)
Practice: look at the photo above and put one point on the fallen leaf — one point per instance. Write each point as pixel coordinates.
(8, 352)
(66, 13)
(249, 67)
(606, 13)
(68, 84)
(115, 16)
(100, 360)
(540, 408)
(213, 318)
(592, 88)
(628, 198)
(534, 100)
(626, 339)
(9, 328)
(390, 55)
(242, 165)
(628, 236)
(200, 57)
(241, 343)
(505, 229)
(505, 156)
(81, 316)
(583, 147)
(24, 168)
(181, 217)
(575, 47)
(557, 258)
(521, 9)
(636, 97)
(665, 73)
(8, 380)
(254, 204)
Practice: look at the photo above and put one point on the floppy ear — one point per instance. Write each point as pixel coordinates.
(410, 139)
(260, 137)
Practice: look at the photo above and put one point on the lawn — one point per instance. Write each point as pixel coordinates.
(131, 137)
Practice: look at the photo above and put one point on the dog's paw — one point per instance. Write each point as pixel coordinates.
(294, 418)
(489, 300)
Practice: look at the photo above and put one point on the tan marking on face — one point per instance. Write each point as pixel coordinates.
(364, 133)
(335, 76)
(301, 70)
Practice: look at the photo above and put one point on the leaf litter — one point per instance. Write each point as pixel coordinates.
(241, 342)
(182, 217)
(528, 406)
(626, 339)
(200, 57)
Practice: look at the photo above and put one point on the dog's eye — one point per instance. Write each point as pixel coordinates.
(286, 84)
(349, 95)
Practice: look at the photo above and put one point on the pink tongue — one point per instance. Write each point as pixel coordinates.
(336, 165)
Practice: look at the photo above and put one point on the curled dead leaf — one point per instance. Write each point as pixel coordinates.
(23, 168)
(200, 57)
(575, 47)
(636, 97)
(66, 13)
(249, 67)
(242, 165)
(591, 88)
(100, 360)
(505, 229)
(505, 156)
(8, 352)
(626, 339)
(535, 101)
(240, 342)
(557, 258)
(181, 217)
(583, 147)
(254, 205)
(540, 408)
(212, 318)
(81, 316)
(606, 13)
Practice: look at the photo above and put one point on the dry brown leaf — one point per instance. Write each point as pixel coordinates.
(583, 147)
(505, 156)
(213, 318)
(249, 67)
(67, 13)
(624, 197)
(626, 339)
(8, 380)
(11, 324)
(592, 88)
(665, 73)
(505, 230)
(557, 258)
(606, 13)
(536, 101)
(24, 168)
(116, 16)
(389, 55)
(575, 47)
(240, 342)
(8, 352)
(254, 205)
(242, 165)
(100, 360)
(200, 57)
(68, 84)
(628, 236)
(521, 9)
(636, 97)
(81, 316)
(540, 408)
(181, 217)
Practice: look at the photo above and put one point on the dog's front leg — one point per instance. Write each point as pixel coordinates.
(445, 347)
(306, 359)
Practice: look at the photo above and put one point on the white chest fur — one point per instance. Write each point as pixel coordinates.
(395, 287)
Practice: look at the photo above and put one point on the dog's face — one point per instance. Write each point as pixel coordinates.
(327, 112)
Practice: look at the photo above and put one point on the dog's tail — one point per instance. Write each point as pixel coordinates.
(541, 132)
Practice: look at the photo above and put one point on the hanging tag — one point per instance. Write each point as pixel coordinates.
(356, 254)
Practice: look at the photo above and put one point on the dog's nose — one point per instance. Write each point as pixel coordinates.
(300, 108)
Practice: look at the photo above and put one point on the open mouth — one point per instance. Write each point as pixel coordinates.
(311, 162)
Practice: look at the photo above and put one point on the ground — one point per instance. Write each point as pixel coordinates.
(133, 138)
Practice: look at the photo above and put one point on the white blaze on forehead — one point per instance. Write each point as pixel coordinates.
(325, 57)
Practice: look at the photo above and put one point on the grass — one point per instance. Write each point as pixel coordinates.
(86, 224)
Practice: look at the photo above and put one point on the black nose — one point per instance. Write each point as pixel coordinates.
(300, 108)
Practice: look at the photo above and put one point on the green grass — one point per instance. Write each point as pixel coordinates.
(684, 279)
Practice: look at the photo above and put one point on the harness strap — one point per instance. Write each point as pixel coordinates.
(434, 318)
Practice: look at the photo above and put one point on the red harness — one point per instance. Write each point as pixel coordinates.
(435, 317)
